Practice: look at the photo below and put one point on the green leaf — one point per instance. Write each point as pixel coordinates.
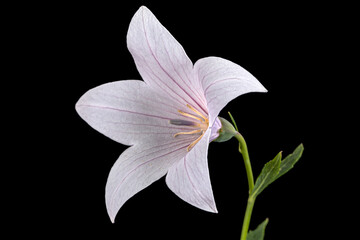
(275, 169)
(289, 162)
(268, 175)
(259, 232)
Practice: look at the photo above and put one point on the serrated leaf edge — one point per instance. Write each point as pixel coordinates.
(258, 188)
(297, 153)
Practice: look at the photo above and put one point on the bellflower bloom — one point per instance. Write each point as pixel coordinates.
(168, 119)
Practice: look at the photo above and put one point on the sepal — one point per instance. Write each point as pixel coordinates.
(226, 132)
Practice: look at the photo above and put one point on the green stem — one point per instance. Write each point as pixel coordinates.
(251, 201)
(247, 217)
(243, 150)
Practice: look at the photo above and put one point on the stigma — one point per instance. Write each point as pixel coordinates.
(197, 120)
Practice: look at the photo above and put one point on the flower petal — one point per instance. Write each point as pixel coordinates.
(138, 167)
(129, 112)
(215, 130)
(162, 62)
(222, 81)
(190, 180)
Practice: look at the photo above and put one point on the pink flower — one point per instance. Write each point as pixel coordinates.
(168, 119)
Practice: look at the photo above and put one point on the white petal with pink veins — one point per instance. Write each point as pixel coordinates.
(222, 81)
(138, 167)
(190, 180)
(162, 61)
(130, 112)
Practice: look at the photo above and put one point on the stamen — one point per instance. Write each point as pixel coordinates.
(194, 142)
(190, 116)
(201, 126)
(191, 132)
(196, 111)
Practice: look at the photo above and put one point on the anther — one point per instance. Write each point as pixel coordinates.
(194, 142)
(190, 116)
(191, 132)
(197, 112)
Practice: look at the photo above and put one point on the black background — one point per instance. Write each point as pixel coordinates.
(292, 49)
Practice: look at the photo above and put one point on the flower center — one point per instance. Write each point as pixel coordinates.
(199, 122)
